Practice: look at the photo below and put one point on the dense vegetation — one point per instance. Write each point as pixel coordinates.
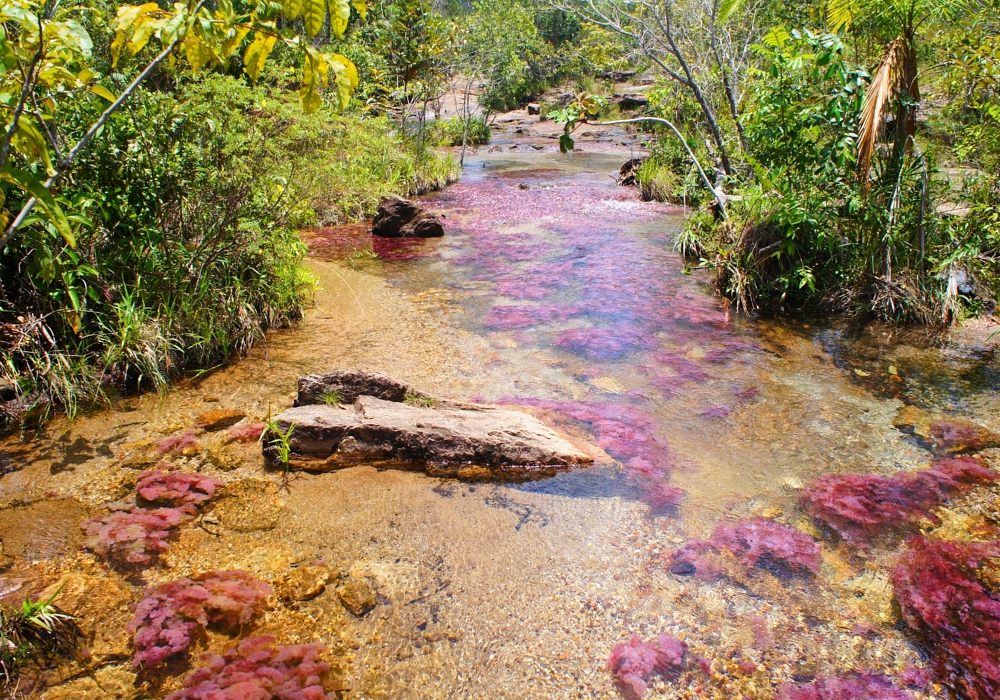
(851, 147)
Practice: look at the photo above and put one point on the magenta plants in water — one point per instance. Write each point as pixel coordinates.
(175, 489)
(132, 537)
(635, 661)
(171, 612)
(757, 541)
(258, 670)
(859, 506)
(947, 605)
(858, 686)
(246, 432)
(176, 444)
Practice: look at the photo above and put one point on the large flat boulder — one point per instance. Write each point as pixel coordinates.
(440, 437)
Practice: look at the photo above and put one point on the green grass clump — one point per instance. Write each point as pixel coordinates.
(449, 132)
(412, 399)
(35, 632)
(332, 398)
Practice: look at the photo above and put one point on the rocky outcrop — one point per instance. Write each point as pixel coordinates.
(406, 429)
(401, 218)
(627, 173)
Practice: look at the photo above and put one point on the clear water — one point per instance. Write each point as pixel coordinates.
(556, 290)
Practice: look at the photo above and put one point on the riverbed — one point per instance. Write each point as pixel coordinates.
(556, 290)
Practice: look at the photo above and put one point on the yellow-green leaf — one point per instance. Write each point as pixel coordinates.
(257, 53)
(233, 42)
(102, 91)
(293, 8)
(839, 15)
(313, 16)
(362, 7)
(726, 10)
(29, 142)
(340, 13)
(36, 188)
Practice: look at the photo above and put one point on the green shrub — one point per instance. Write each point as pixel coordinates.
(450, 132)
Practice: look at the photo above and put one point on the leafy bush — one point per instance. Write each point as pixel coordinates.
(450, 132)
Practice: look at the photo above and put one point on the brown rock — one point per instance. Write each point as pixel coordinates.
(304, 583)
(533, 108)
(444, 435)
(219, 419)
(101, 607)
(950, 434)
(358, 595)
(110, 682)
(397, 218)
(248, 505)
(345, 386)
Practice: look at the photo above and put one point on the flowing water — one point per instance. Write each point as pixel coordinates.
(556, 290)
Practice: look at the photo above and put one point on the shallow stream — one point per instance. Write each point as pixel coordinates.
(553, 289)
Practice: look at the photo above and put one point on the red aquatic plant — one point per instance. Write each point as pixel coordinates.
(765, 541)
(948, 606)
(246, 432)
(858, 686)
(175, 489)
(960, 436)
(635, 661)
(171, 612)
(757, 541)
(134, 537)
(177, 444)
(258, 670)
(858, 506)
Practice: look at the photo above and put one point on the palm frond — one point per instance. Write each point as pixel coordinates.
(839, 15)
(877, 99)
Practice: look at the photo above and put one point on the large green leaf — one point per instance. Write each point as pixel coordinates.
(362, 7)
(313, 16)
(36, 188)
(257, 53)
(839, 15)
(340, 13)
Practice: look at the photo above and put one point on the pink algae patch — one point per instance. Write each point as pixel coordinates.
(171, 612)
(634, 662)
(757, 541)
(177, 444)
(863, 686)
(516, 317)
(258, 670)
(135, 537)
(246, 432)
(859, 506)
(175, 489)
(947, 605)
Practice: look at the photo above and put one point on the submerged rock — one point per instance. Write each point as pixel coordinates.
(416, 431)
(401, 218)
(219, 418)
(358, 595)
(949, 434)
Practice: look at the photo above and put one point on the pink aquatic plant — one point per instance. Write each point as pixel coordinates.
(258, 670)
(246, 432)
(956, 436)
(602, 343)
(177, 444)
(176, 489)
(757, 541)
(947, 605)
(858, 506)
(859, 686)
(170, 613)
(514, 317)
(134, 537)
(762, 540)
(635, 661)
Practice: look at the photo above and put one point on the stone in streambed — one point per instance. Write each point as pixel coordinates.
(358, 595)
(950, 434)
(401, 218)
(403, 428)
(345, 386)
(219, 418)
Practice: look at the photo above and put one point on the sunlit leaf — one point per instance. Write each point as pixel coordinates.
(102, 91)
(726, 10)
(313, 16)
(293, 8)
(362, 7)
(36, 188)
(340, 13)
(257, 53)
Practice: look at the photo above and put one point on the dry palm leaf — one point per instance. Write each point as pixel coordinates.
(877, 99)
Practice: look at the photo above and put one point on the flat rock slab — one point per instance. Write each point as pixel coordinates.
(446, 438)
